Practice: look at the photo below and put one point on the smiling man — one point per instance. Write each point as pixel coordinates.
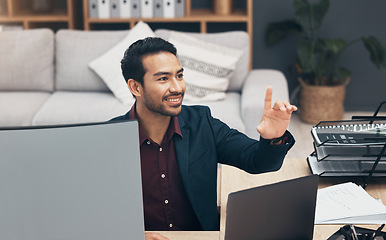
(181, 146)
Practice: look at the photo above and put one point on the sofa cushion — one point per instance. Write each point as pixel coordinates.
(27, 60)
(227, 110)
(206, 77)
(74, 50)
(79, 107)
(19, 108)
(108, 66)
(234, 39)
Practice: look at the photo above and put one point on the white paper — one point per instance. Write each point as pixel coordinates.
(348, 203)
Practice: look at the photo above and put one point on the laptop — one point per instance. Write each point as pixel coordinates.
(71, 182)
(284, 210)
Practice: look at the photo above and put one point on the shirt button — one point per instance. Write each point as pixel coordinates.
(170, 225)
(148, 142)
(163, 175)
(166, 201)
(160, 149)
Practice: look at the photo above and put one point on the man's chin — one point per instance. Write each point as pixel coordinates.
(175, 111)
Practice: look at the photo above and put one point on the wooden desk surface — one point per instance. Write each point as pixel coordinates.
(233, 179)
(187, 235)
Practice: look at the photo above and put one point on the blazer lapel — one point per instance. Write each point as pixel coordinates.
(182, 153)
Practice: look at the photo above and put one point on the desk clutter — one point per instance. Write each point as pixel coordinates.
(350, 232)
(348, 148)
(348, 203)
(354, 148)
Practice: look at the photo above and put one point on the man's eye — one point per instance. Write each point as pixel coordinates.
(180, 75)
(163, 79)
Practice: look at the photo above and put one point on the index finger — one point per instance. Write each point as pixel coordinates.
(268, 98)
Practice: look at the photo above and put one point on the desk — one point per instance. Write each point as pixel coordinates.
(187, 235)
(233, 179)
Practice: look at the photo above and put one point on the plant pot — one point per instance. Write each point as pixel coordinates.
(322, 103)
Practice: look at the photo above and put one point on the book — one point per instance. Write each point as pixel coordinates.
(115, 12)
(169, 9)
(158, 8)
(350, 134)
(93, 8)
(135, 8)
(125, 8)
(180, 8)
(104, 8)
(147, 8)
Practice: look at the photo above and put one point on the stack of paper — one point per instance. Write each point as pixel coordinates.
(348, 203)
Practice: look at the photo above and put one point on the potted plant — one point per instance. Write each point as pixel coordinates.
(323, 82)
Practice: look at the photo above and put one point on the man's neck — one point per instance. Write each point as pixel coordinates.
(153, 124)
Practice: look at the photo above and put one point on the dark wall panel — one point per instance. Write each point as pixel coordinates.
(346, 19)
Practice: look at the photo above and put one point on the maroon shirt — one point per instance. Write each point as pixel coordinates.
(166, 204)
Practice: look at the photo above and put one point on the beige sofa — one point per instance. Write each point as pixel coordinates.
(45, 79)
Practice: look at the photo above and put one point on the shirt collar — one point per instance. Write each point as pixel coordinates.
(174, 126)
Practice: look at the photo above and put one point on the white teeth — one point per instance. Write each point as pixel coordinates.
(174, 100)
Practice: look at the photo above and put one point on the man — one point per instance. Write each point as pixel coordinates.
(181, 146)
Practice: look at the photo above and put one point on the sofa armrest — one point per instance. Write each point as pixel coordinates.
(253, 94)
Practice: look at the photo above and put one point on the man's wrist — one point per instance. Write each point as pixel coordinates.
(284, 139)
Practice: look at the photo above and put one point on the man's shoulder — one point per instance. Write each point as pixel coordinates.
(120, 118)
(194, 110)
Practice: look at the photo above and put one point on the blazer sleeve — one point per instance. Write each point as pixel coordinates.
(236, 149)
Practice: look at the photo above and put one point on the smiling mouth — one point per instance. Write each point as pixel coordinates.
(174, 98)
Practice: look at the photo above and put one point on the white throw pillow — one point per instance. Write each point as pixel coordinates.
(108, 66)
(208, 67)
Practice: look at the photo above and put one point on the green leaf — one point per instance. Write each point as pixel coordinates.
(305, 54)
(277, 31)
(324, 59)
(336, 46)
(343, 73)
(376, 51)
(312, 57)
(310, 16)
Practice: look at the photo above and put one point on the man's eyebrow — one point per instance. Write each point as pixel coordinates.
(167, 73)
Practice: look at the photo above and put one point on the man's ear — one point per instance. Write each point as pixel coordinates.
(134, 87)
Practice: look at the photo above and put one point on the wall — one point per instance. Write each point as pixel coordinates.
(347, 19)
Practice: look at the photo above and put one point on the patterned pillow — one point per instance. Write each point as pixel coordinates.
(108, 66)
(208, 67)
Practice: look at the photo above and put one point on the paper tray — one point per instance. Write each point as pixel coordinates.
(344, 168)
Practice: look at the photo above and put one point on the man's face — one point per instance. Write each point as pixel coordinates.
(164, 85)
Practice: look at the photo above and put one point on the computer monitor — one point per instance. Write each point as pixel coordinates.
(71, 182)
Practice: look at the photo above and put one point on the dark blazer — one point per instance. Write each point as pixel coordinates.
(205, 142)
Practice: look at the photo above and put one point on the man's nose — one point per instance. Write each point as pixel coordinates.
(175, 85)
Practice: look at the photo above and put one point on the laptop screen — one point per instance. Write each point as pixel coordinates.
(71, 182)
(284, 210)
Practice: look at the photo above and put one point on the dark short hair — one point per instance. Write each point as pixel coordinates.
(131, 63)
